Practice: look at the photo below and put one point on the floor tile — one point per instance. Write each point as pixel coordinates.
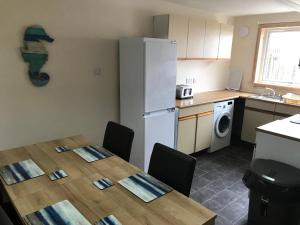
(225, 197)
(202, 195)
(218, 185)
(198, 183)
(242, 221)
(238, 188)
(212, 175)
(233, 212)
(213, 205)
(222, 221)
(198, 171)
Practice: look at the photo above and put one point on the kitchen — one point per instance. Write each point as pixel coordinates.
(83, 93)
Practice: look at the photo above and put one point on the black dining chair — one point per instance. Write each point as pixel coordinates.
(172, 167)
(4, 219)
(118, 140)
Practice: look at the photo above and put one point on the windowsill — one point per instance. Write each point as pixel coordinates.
(274, 85)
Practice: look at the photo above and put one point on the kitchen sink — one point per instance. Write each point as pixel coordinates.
(276, 98)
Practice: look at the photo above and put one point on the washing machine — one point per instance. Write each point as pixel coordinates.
(222, 125)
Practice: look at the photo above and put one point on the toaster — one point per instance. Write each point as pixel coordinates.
(184, 91)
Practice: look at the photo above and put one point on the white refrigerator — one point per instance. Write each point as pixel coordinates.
(147, 94)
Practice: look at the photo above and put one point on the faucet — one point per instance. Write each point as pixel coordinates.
(273, 92)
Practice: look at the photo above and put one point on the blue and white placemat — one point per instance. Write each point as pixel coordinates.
(103, 183)
(145, 187)
(20, 171)
(109, 220)
(61, 149)
(57, 174)
(91, 153)
(61, 213)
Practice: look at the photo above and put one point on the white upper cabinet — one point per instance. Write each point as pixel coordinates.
(196, 37)
(226, 36)
(212, 38)
(178, 30)
(173, 27)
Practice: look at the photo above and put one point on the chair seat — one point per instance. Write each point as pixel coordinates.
(4, 219)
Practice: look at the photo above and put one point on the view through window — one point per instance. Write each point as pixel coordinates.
(278, 56)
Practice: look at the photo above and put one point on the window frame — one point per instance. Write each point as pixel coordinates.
(259, 50)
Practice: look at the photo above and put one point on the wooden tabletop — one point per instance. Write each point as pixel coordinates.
(211, 97)
(32, 195)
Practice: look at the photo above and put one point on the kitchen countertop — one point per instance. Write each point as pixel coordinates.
(254, 97)
(210, 97)
(283, 128)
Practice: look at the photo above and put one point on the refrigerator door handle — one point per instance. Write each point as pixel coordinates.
(176, 122)
(159, 112)
(146, 115)
(171, 109)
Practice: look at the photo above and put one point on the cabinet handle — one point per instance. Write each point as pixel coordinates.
(195, 116)
(205, 114)
(187, 118)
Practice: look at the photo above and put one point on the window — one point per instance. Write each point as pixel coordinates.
(278, 55)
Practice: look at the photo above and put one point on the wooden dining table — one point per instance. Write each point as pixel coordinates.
(93, 203)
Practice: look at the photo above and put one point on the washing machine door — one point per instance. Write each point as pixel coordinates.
(222, 125)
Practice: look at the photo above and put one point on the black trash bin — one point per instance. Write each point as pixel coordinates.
(274, 197)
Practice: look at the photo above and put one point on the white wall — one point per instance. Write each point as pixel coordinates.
(208, 75)
(243, 50)
(86, 33)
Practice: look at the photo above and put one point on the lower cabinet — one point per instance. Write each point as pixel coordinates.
(204, 130)
(279, 117)
(258, 113)
(186, 134)
(195, 126)
(252, 120)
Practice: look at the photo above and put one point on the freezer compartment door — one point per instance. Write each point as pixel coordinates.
(160, 75)
(159, 127)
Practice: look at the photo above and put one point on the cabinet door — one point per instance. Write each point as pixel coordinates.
(287, 110)
(178, 30)
(279, 117)
(204, 131)
(252, 120)
(196, 37)
(226, 35)
(186, 134)
(212, 38)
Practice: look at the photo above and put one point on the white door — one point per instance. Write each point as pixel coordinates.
(159, 127)
(160, 75)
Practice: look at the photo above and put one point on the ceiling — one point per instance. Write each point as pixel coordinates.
(239, 7)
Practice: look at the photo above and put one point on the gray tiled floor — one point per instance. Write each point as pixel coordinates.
(218, 185)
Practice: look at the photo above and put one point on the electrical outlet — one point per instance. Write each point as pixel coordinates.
(190, 80)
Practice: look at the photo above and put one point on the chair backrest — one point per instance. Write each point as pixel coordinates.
(118, 139)
(172, 167)
(4, 219)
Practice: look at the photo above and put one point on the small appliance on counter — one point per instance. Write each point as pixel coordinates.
(184, 91)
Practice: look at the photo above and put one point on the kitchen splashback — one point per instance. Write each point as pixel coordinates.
(203, 75)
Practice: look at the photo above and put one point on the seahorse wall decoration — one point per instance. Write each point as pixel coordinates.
(35, 53)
